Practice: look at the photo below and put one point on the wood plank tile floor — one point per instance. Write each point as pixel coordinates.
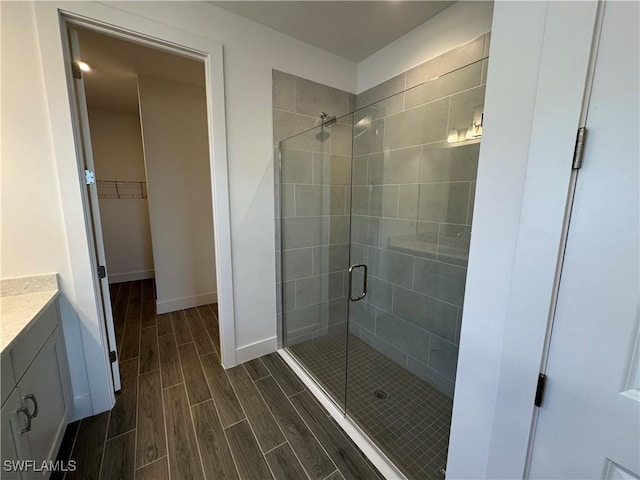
(181, 416)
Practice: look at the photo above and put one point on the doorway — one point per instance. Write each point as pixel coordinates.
(143, 123)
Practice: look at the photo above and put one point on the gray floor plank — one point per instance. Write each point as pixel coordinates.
(119, 453)
(211, 325)
(148, 314)
(169, 361)
(200, 336)
(158, 470)
(313, 458)
(216, 456)
(180, 327)
(87, 451)
(131, 335)
(149, 350)
(248, 457)
(224, 397)
(150, 443)
(163, 322)
(194, 378)
(284, 464)
(262, 422)
(256, 369)
(184, 459)
(344, 454)
(335, 476)
(287, 380)
(123, 414)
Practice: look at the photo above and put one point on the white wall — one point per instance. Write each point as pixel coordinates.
(116, 140)
(176, 153)
(535, 87)
(32, 231)
(456, 25)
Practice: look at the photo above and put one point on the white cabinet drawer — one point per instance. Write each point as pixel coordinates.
(29, 344)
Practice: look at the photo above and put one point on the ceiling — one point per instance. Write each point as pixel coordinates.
(112, 82)
(353, 30)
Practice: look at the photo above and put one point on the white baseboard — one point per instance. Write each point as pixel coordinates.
(130, 276)
(173, 304)
(256, 349)
(82, 408)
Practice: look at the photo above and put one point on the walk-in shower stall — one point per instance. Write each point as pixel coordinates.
(376, 214)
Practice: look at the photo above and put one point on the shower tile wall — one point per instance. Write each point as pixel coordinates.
(316, 177)
(412, 209)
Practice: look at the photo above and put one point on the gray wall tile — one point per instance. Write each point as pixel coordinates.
(447, 62)
(289, 296)
(316, 200)
(443, 357)
(453, 244)
(378, 200)
(286, 124)
(463, 106)
(365, 230)
(287, 200)
(403, 335)
(444, 202)
(313, 98)
(443, 163)
(364, 314)
(339, 229)
(408, 201)
(361, 170)
(305, 320)
(395, 166)
(368, 138)
(305, 232)
(282, 90)
(297, 166)
(380, 293)
(417, 126)
(383, 90)
(364, 116)
(318, 289)
(390, 266)
(341, 138)
(412, 307)
(394, 230)
(331, 258)
(440, 280)
(331, 169)
(297, 263)
(457, 81)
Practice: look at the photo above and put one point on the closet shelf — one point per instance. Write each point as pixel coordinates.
(121, 189)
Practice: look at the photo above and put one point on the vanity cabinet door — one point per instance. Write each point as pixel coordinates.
(42, 392)
(14, 443)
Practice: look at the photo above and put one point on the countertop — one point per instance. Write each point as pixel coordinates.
(22, 301)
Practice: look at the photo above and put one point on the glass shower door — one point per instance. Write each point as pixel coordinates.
(315, 203)
(414, 171)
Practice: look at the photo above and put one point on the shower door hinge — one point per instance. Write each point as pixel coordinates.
(112, 356)
(542, 383)
(89, 177)
(75, 71)
(578, 151)
(102, 272)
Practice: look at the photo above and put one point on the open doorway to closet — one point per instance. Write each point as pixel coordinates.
(146, 123)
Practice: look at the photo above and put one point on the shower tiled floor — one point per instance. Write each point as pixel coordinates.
(411, 425)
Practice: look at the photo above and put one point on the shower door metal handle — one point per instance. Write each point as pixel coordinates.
(364, 287)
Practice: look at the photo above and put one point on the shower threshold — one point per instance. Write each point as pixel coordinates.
(384, 465)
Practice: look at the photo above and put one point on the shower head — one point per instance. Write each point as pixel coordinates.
(327, 120)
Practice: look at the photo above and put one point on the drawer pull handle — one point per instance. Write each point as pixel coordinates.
(34, 400)
(26, 414)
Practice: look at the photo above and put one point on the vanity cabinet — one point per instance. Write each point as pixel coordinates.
(35, 412)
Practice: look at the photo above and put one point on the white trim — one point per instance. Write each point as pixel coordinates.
(84, 295)
(256, 349)
(130, 276)
(370, 450)
(82, 408)
(173, 304)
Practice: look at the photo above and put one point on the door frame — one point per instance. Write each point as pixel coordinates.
(52, 18)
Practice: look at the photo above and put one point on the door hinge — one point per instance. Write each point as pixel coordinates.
(112, 357)
(75, 71)
(102, 272)
(89, 177)
(578, 151)
(542, 383)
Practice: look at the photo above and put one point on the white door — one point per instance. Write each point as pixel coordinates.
(589, 424)
(92, 196)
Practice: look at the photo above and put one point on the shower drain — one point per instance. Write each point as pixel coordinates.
(381, 394)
